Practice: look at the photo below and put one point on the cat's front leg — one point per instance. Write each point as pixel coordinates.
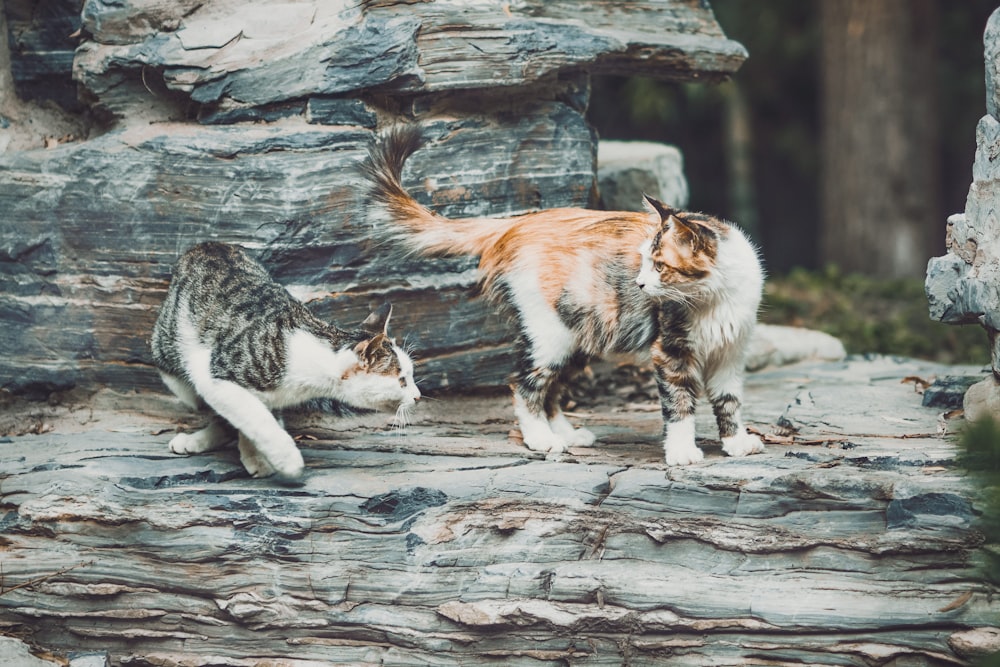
(252, 460)
(677, 382)
(574, 437)
(725, 390)
(253, 419)
(213, 436)
(679, 448)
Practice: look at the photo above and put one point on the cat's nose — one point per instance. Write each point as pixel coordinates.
(640, 282)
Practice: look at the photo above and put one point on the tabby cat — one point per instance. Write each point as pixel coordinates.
(580, 283)
(230, 335)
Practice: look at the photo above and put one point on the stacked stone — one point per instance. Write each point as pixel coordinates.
(963, 286)
(244, 121)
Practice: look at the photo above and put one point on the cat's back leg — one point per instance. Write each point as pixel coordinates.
(182, 390)
(558, 422)
(213, 436)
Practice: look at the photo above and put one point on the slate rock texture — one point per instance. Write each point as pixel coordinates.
(244, 121)
(963, 286)
(852, 540)
(626, 170)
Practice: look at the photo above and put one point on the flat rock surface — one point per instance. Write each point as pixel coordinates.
(850, 541)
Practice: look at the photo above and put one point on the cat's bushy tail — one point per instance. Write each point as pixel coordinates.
(406, 221)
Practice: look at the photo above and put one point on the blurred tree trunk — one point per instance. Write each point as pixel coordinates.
(880, 178)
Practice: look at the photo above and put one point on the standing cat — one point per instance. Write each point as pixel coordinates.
(581, 283)
(230, 335)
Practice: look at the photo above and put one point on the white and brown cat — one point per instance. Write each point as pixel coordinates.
(581, 283)
(230, 336)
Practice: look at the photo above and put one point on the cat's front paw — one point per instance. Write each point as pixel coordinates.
(256, 465)
(682, 455)
(582, 437)
(742, 444)
(574, 437)
(290, 470)
(679, 447)
(545, 442)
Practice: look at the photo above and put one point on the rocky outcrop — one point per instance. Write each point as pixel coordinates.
(851, 540)
(243, 122)
(963, 286)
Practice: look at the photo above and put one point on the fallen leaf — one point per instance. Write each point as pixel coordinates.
(957, 602)
(919, 384)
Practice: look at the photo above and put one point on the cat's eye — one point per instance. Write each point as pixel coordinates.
(402, 382)
(659, 266)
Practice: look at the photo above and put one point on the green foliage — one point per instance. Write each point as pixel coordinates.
(869, 315)
(981, 442)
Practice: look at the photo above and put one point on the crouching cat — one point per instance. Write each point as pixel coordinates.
(229, 335)
(580, 283)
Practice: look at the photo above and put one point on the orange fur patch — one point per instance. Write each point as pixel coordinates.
(561, 241)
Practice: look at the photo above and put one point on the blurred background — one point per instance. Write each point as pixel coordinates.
(841, 146)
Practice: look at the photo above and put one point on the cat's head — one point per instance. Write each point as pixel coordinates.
(681, 254)
(383, 375)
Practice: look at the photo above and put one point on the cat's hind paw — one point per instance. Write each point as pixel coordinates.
(196, 443)
(742, 444)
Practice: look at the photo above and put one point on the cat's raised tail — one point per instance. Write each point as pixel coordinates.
(407, 222)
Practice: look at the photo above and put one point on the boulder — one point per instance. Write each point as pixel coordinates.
(626, 170)
(244, 122)
(963, 286)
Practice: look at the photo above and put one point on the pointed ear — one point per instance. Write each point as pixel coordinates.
(361, 349)
(378, 321)
(698, 236)
(368, 349)
(656, 206)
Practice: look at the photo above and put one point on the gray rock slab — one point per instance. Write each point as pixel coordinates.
(853, 537)
(90, 232)
(256, 53)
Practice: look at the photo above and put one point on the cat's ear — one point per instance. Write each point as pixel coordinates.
(368, 349)
(699, 236)
(656, 206)
(378, 321)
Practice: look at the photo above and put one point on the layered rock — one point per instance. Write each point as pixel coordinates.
(243, 122)
(963, 286)
(850, 541)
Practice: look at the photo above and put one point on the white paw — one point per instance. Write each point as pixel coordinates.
(581, 437)
(545, 442)
(741, 444)
(574, 437)
(189, 443)
(682, 455)
(679, 447)
(256, 465)
(290, 469)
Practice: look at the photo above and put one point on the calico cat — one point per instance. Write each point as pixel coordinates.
(580, 283)
(230, 335)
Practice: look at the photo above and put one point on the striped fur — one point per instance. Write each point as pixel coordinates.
(582, 283)
(229, 336)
